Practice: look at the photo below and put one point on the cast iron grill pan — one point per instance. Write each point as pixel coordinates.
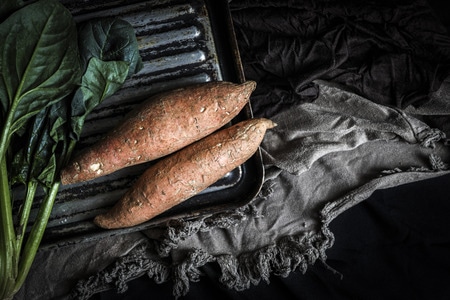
(181, 43)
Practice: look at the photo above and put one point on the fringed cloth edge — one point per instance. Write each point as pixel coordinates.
(287, 254)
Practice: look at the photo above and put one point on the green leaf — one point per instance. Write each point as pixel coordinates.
(110, 39)
(101, 80)
(30, 78)
(38, 159)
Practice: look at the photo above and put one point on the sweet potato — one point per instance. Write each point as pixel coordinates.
(185, 173)
(162, 125)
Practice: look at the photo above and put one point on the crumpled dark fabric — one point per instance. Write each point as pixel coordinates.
(391, 52)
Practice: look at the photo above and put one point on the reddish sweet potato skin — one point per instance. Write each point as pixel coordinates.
(162, 125)
(185, 173)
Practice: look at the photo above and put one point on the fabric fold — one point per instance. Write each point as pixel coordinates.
(391, 53)
(338, 121)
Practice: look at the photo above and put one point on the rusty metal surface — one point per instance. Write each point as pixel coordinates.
(181, 43)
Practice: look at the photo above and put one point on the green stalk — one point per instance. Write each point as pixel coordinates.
(25, 213)
(35, 237)
(38, 229)
(8, 258)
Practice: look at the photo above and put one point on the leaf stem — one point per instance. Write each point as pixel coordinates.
(8, 259)
(35, 237)
(25, 214)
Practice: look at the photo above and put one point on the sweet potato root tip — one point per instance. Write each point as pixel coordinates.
(185, 173)
(160, 126)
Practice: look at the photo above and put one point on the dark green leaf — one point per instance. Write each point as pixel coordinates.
(101, 80)
(40, 62)
(110, 39)
(47, 140)
(38, 159)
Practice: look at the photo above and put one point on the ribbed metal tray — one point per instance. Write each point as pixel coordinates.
(181, 43)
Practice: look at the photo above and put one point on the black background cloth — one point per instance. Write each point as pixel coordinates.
(391, 52)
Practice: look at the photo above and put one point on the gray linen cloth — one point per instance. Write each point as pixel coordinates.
(323, 158)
